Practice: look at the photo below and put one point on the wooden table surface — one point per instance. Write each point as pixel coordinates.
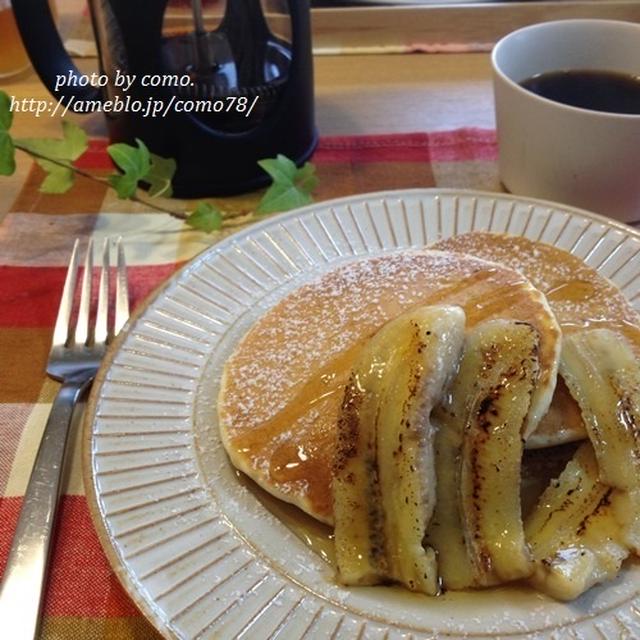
(355, 94)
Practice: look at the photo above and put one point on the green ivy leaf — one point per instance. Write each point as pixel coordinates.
(125, 186)
(206, 217)
(307, 178)
(135, 162)
(160, 176)
(6, 115)
(280, 168)
(75, 138)
(73, 144)
(59, 179)
(7, 154)
(291, 188)
(132, 160)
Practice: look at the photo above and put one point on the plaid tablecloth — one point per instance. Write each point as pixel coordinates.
(84, 600)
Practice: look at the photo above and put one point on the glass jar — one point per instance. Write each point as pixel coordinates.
(13, 57)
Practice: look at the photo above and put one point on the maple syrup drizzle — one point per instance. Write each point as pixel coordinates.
(571, 291)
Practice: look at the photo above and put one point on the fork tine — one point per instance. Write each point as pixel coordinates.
(122, 290)
(83, 329)
(62, 330)
(102, 331)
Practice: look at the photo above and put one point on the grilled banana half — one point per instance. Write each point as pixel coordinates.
(445, 531)
(384, 482)
(603, 375)
(564, 504)
(573, 532)
(588, 520)
(477, 527)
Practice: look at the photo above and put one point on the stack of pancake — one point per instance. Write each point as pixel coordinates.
(283, 388)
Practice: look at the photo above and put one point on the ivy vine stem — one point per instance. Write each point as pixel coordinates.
(231, 218)
(181, 215)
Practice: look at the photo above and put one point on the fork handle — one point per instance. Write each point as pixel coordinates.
(25, 573)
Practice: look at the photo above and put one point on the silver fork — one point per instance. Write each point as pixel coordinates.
(75, 356)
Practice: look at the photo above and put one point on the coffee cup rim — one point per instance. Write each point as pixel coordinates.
(561, 105)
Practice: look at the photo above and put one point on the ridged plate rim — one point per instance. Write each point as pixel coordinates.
(139, 586)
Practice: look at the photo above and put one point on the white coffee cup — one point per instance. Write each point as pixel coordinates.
(590, 159)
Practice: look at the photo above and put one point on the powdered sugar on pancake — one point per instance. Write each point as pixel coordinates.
(344, 302)
(282, 387)
(577, 294)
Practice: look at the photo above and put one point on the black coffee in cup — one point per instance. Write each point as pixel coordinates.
(609, 91)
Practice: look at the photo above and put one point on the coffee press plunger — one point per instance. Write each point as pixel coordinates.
(258, 55)
(221, 65)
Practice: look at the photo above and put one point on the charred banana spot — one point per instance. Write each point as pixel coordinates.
(488, 408)
(476, 494)
(604, 502)
(416, 333)
(404, 423)
(577, 487)
(566, 503)
(415, 377)
(348, 429)
(485, 561)
(375, 514)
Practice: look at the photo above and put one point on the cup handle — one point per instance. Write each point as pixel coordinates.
(47, 53)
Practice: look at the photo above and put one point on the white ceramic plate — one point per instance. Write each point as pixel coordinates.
(197, 551)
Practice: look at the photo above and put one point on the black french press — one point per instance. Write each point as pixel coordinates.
(215, 84)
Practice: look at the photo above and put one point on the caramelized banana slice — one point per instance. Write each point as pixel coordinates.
(626, 510)
(595, 555)
(384, 479)
(573, 533)
(603, 375)
(564, 505)
(477, 527)
(506, 365)
(445, 531)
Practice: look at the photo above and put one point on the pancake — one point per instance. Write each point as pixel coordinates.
(579, 297)
(282, 388)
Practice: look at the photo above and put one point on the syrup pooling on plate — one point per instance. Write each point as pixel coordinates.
(277, 395)
(539, 467)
